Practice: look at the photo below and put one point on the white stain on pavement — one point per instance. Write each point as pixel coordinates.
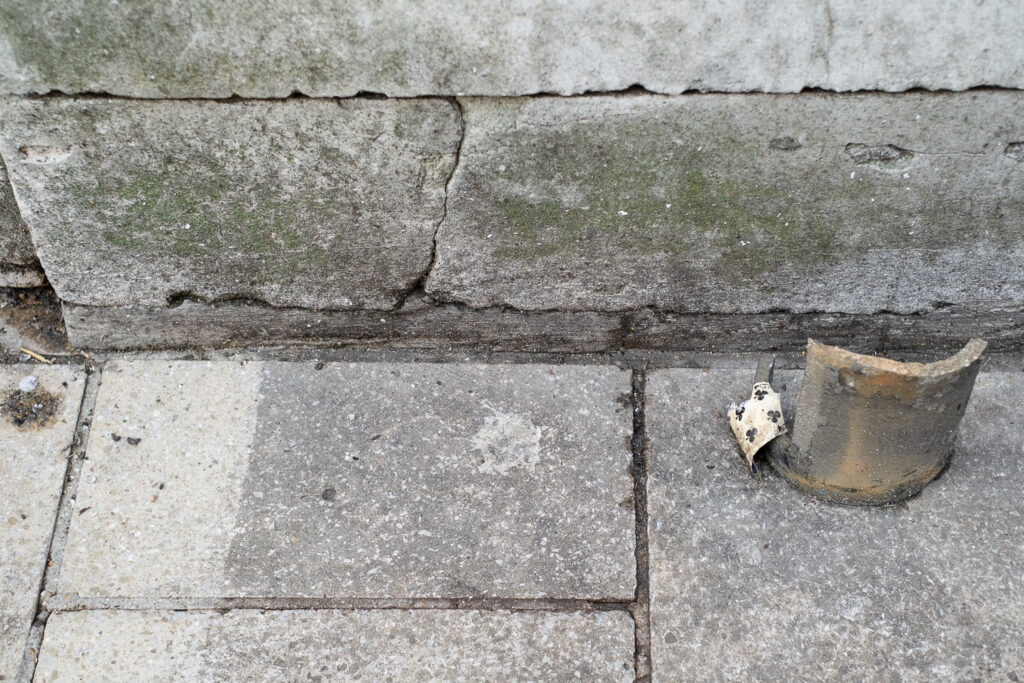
(507, 441)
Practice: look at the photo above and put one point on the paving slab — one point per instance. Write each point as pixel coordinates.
(313, 203)
(854, 204)
(753, 579)
(37, 425)
(355, 480)
(335, 645)
(272, 48)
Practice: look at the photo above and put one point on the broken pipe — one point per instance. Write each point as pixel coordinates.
(870, 430)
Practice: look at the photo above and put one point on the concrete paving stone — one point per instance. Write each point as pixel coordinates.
(321, 204)
(356, 480)
(272, 48)
(737, 204)
(392, 645)
(37, 426)
(754, 580)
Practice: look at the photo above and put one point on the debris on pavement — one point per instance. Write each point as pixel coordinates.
(757, 420)
(33, 354)
(870, 430)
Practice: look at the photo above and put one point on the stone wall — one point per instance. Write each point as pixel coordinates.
(18, 264)
(562, 176)
(273, 48)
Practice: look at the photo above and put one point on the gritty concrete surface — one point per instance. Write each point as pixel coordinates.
(850, 204)
(320, 204)
(18, 264)
(753, 580)
(272, 48)
(159, 493)
(21, 276)
(393, 645)
(15, 242)
(227, 479)
(37, 425)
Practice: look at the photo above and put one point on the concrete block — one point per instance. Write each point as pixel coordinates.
(753, 579)
(319, 204)
(272, 48)
(38, 409)
(375, 480)
(388, 645)
(854, 204)
(18, 264)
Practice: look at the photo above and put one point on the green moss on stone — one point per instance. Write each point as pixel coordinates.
(207, 213)
(613, 195)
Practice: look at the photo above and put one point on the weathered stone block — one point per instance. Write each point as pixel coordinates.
(353, 481)
(392, 645)
(18, 264)
(271, 48)
(15, 242)
(737, 203)
(321, 204)
(756, 580)
(37, 425)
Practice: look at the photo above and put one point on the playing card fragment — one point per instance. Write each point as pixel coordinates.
(757, 420)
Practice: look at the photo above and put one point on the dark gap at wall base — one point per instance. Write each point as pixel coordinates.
(31, 318)
(197, 325)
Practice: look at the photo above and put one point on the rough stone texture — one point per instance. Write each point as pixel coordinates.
(373, 480)
(737, 203)
(206, 48)
(321, 204)
(33, 457)
(15, 242)
(18, 264)
(159, 493)
(21, 276)
(196, 324)
(754, 580)
(331, 645)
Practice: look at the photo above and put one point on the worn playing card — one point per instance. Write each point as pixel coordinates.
(757, 420)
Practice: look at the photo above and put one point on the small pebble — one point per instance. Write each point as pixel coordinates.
(28, 383)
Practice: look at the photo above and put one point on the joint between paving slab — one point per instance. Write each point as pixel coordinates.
(631, 359)
(62, 523)
(641, 606)
(74, 603)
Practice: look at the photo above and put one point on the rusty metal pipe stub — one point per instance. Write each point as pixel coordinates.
(870, 430)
